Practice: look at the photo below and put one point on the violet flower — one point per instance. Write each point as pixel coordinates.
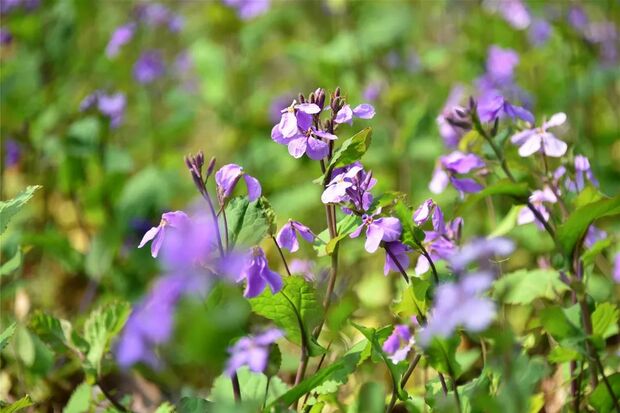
(294, 115)
(593, 235)
(399, 343)
(449, 131)
(480, 251)
(149, 67)
(258, 275)
(12, 152)
(450, 168)
(121, 36)
(363, 111)
(492, 108)
(252, 351)
(513, 11)
(227, 178)
(158, 15)
(501, 64)
(539, 139)
(539, 32)
(350, 185)
(306, 268)
(459, 304)
(537, 199)
(386, 229)
(287, 237)
(5, 37)
(248, 9)
(372, 91)
(400, 252)
(176, 219)
(582, 169)
(111, 106)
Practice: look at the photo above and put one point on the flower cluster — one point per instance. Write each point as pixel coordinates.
(112, 106)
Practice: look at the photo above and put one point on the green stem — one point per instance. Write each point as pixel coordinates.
(288, 271)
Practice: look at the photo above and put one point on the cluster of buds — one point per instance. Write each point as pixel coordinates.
(195, 164)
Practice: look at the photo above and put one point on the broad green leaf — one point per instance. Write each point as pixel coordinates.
(57, 333)
(587, 196)
(253, 386)
(518, 191)
(471, 142)
(557, 323)
(561, 354)
(165, 408)
(524, 286)
(573, 230)
(12, 264)
(295, 309)
(193, 405)
(6, 335)
(352, 149)
(99, 329)
(9, 208)
(605, 320)
(507, 223)
(371, 398)
(372, 336)
(411, 234)
(323, 245)
(248, 222)
(590, 254)
(80, 399)
(20, 404)
(414, 300)
(441, 355)
(341, 376)
(600, 398)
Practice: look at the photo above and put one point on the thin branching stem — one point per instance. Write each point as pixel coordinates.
(288, 271)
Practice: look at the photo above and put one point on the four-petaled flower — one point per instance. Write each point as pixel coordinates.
(386, 229)
(534, 140)
(174, 219)
(287, 237)
(252, 351)
(257, 274)
(227, 177)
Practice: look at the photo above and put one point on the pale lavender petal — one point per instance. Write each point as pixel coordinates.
(374, 234)
(277, 136)
(422, 265)
(552, 146)
(391, 228)
(439, 182)
(555, 120)
(317, 149)
(530, 146)
(344, 115)
(150, 234)
(357, 231)
(520, 137)
(157, 242)
(175, 219)
(423, 213)
(297, 147)
(288, 124)
(254, 188)
(335, 193)
(309, 108)
(364, 111)
(325, 135)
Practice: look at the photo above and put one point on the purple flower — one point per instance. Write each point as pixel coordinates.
(12, 152)
(538, 198)
(149, 67)
(399, 343)
(372, 91)
(350, 184)
(582, 167)
(5, 37)
(252, 351)
(287, 237)
(534, 140)
(378, 229)
(616, 270)
(248, 9)
(593, 235)
(578, 18)
(480, 251)
(460, 304)
(450, 133)
(494, 107)
(304, 267)
(424, 212)
(258, 275)
(110, 105)
(155, 14)
(539, 32)
(176, 219)
(451, 165)
(501, 64)
(441, 242)
(228, 176)
(363, 111)
(121, 36)
(400, 252)
(513, 11)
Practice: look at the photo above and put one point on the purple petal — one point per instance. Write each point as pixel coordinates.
(391, 228)
(421, 215)
(520, 137)
(175, 219)
(344, 115)
(439, 182)
(304, 121)
(466, 185)
(277, 136)
(317, 149)
(555, 120)
(357, 232)
(309, 108)
(157, 242)
(324, 135)
(335, 193)
(530, 146)
(304, 231)
(374, 234)
(255, 285)
(273, 279)
(364, 111)
(149, 235)
(254, 188)
(553, 146)
(288, 124)
(297, 147)
(286, 238)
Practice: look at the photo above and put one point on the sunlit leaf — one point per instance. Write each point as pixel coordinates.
(9, 208)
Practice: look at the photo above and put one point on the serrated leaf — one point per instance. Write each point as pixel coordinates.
(252, 386)
(22, 403)
(414, 300)
(524, 286)
(600, 398)
(576, 225)
(295, 309)
(605, 320)
(557, 323)
(441, 355)
(101, 326)
(248, 222)
(323, 245)
(341, 376)
(193, 405)
(352, 149)
(79, 402)
(9, 208)
(57, 333)
(6, 335)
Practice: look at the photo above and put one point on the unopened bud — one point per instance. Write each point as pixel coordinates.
(337, 92)
(301, 98)
(210, 167)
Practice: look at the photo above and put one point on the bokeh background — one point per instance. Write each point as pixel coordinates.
(212, 76)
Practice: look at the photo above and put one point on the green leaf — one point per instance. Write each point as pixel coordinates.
(165, 408)
(605, 320)
(575, 227)
(252, 386)
(13, 264)
(561, 354)
(411, 234)
(371, 398)
(295, 309)
(341, 376)
(518, 191)
(323, 245)
(557, 323)
(193, 405)
(248, 222)
(600, 398)
(6, 335)
(22, 403)
(590, 254)
(101, 326)
(507, 223)
(352, 149)
(11, 207)
(524, 286)
(441, 355)
(373, 336)
(414, 300)
(80, 399)
(57, 333)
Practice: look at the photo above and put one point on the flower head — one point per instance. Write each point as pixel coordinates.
(287, 237)
(227, 177)
(111, 106)
(501, 64)
(149, 67)
(399, 343)
(539, 139)
(399, 252)
(121, 36)
(248, 9)
(350, 184)
(450, 168)
(363, 111)
(496, 107)
(257, 274)
(538, 200)
(378, 229)
(480, 251)
(156, 234)
(252, 351)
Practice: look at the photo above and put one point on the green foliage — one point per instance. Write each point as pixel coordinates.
(192, 405)
(295, 309)
(441, 353)
(524, 286)
(6, 335)
(352, 149)
(600, 399)
(20, 404)
(9, 208)
(605, 320)
(323, 245)
(518, 191)
(80, 399)
(253, 386)
(248, 222)
(414, 300)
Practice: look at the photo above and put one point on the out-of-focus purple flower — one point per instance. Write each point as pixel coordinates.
(5, 37)
(578, 18)
(176, 219)
(248, 9)
(460, 304)
(538, 198)
(372, 91)
(501, 64)
(176, 23)
(593, 235)
(226, 179)
(158, 15)
(386, 229)
(400, 253)
(399, 343)
(582, 170)
(258, 275)
(109, 105)
(287, 237)
(451, 133)
(363, 111)
(495, 107)
(350, 184)
(616, 270)
(538, 139)
(149, 67)
(481, 251)
(252, 351)
(539, 32)
(121, 36)
(304, 267)
(513, 11)
(276, 107)
(151, 322)
(442, 241)
(450, 168)
(7, 6)
(12, 152)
